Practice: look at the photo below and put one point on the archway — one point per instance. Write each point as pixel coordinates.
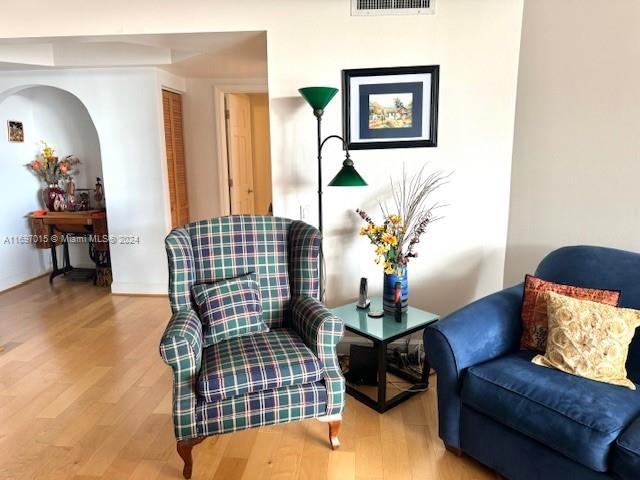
(61, 119)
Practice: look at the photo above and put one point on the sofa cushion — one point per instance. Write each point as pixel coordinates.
(577, 417)
(626, 453)
(256, 362)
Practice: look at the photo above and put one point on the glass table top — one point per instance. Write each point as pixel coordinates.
(385, 327)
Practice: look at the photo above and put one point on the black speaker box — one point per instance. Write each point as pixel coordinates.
(363, 365)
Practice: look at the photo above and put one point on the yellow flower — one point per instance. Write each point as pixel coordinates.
(390, 239)
(395, 219)
(382, 249)
(388, 268)
(364, 230)
(47, 151)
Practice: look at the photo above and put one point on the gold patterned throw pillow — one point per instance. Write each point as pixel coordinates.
(534, 308)
(589, 339)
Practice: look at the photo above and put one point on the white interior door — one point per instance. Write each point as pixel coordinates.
(239, 152)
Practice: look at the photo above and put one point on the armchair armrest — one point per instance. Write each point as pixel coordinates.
(181, 349)
(321, 331)
(481, 331)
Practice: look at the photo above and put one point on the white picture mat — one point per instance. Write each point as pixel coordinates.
(354, 106)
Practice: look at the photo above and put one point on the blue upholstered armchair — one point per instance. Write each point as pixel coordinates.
(289, 373)
(526, 421)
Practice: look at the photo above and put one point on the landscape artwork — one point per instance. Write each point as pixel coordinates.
(16, 131)
(390, 110)
(390, 107)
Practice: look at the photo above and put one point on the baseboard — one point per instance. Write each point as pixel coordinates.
(165, 295)
(133, 288)
(12, 285)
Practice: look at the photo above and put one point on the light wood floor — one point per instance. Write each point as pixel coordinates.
(84, 395)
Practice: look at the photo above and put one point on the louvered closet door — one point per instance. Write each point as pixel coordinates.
(176, 171)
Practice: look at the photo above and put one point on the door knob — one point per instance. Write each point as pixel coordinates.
(250, 190)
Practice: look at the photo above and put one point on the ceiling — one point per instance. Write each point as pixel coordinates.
(210, 55)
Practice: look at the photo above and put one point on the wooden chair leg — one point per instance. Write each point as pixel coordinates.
(334, 422)
(184, 448)
(334, 430)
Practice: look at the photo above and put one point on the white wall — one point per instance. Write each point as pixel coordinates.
(576, 159)
(200, 145)
(476, 44)
(20, 189)
(125, 107)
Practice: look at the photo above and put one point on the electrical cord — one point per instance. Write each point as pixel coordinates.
(403, 361)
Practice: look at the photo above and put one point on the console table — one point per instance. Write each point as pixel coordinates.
(51, 229)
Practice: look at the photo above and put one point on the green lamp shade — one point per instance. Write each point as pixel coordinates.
(318, 97)
(348, 177)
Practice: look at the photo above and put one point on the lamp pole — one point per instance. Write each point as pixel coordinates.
(321, 143)
(318, 113)
(318, 98)
(347, 162)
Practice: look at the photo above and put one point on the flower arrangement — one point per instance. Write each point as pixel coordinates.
(50, 169)
(396, 239)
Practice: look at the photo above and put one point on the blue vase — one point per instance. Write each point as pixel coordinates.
(389, 288)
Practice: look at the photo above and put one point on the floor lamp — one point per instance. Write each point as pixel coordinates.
(319, 98)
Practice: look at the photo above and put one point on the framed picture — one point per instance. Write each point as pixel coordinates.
(16, 131)
(390, 107)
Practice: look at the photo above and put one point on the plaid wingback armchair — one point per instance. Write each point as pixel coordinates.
(284, 254)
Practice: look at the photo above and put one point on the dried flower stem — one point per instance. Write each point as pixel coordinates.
(413, 215)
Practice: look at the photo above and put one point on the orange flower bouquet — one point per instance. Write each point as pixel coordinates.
(50, 169)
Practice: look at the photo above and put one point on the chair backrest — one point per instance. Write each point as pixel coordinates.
(600, 267)
(284, 253)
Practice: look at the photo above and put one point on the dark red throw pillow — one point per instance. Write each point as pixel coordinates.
(534, 308)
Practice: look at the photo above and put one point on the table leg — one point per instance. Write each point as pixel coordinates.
(382, 375)
(54, 256)
(67, 261)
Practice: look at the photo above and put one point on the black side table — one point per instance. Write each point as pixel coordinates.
(383, 331)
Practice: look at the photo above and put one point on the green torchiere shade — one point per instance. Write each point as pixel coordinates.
(348, 177)
(318, 97)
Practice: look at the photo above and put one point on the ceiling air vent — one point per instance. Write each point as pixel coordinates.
(393, 7)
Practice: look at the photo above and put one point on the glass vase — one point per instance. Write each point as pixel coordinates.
(389, 288)
(49, 195)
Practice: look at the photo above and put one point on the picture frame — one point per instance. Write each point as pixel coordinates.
(390, 107)
(15, 131)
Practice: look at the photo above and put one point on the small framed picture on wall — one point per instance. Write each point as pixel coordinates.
(16, 131)
(390, 107)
